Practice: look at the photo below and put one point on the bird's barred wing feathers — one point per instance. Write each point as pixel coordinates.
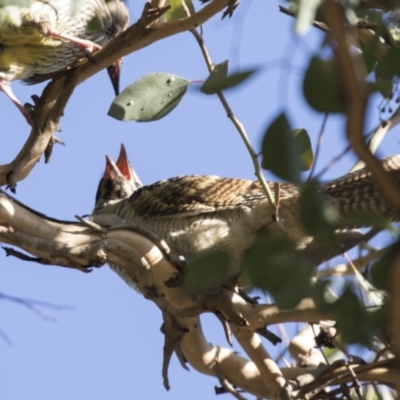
(194, 195)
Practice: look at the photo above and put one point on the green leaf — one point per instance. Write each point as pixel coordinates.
(321, 87)
(379, 271)
(150, 98)
(368, 52)
(227, 82)
(386, 70)
(177, 11)
(389, 66)
(208, 271)
(218, 74)
(353, 321)
(277, 266)
(305, 149)
(317, 215)
(280, 151)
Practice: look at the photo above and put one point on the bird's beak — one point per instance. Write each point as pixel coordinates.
(114, 72)
(123, 164)
(111, 169)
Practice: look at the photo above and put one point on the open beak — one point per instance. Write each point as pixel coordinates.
(123, 164)
(114, 72)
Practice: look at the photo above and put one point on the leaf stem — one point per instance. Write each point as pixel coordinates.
(238, 125)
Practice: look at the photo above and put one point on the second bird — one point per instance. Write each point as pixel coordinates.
(200, 214)
(48, 38)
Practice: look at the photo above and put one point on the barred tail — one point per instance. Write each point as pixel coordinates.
(357, 192)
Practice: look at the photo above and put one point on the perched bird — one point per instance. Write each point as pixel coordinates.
(199, 214)
(48, 39)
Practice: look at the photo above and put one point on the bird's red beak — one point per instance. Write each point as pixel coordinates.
(114, 72)
(123, 164)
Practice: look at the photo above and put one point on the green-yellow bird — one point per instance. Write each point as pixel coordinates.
(48, 38)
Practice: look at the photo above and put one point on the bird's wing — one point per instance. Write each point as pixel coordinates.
(194, 195)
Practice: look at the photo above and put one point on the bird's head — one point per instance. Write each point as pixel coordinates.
(118, 182)
(111, 19)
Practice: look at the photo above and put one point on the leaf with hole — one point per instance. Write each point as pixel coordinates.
(150, 98)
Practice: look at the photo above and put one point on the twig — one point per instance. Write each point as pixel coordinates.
(238, 125)
(318, 147)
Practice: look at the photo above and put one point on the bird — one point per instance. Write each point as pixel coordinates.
(49, 38)
(197, 214)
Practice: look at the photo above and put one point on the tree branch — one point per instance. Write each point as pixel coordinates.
(50, 106)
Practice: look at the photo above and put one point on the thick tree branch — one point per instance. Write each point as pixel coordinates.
(81, 245)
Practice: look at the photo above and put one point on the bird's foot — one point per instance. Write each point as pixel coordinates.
(26, 109)
(87, 46)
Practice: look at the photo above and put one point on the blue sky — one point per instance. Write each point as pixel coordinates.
(109, 344)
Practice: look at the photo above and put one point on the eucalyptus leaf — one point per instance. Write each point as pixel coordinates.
(305, 149)
(280, 151)
(321, 87)
(207, 271)
(353, 321)
(177, 11)
(318, 216)
(150, 98)
(379, 272)
(277, 266)
(217, 75)
(228, 82)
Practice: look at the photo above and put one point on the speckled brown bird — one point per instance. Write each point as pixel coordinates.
(199, 214)
(48, 38)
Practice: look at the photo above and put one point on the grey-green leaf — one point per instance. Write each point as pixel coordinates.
(280, 151)
(217, 75)
(228, 82)
(150, 98)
